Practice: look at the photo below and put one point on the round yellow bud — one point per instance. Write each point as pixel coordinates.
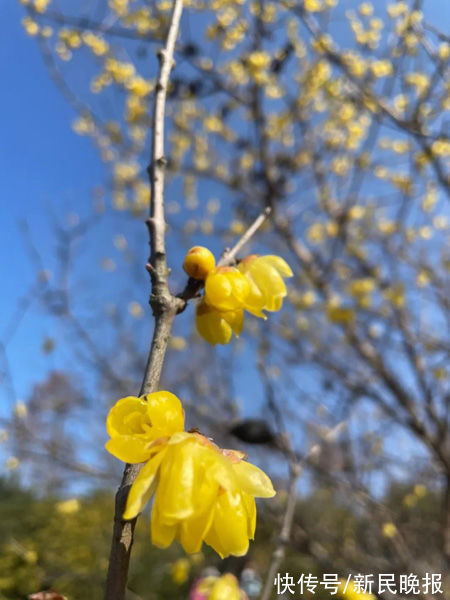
(199, 262)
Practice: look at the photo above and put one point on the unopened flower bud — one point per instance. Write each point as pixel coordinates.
(199, 262)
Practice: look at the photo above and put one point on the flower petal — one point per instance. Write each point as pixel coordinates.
(235, 318)
(165, 413)
(253, 480)
(129, 448)
(278, 263)
(175, 495)
(226, 588)
(255, 301)
(211, 325)
(250, 506)
(118, 421)
(218, 290)
(192, 531)
(271, 284)
(143, 486)
(226, 289)
(228, 533)
(162, 533)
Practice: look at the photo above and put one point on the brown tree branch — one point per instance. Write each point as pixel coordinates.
(164, 308)
(230, 255)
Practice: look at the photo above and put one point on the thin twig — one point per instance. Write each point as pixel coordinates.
(295, 468)
(193, 286)
(230, 255)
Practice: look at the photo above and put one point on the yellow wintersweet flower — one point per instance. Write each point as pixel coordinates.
(366, 9)
(313, 5)
(40, 6)
(202, 493)
(135, 309)
(134, 424)
(226, 289)
(395, 294)
(12, 463)
(221, 588)
(178, 343)
(351, 592)
(340, 314)
(441, 148)
(420, 490)
(96, 43)
(70, 37)
(359, 287)
(20, 410)
(258, 60)
(30, 26)
(180, 571)
(215, 326)
(382, 68)
(267, 288)
(420, 81)
(255, 285)
(199, 262)
(389, 530)
(139, 86)
(68, 507)
(316, 233)
(30, 557)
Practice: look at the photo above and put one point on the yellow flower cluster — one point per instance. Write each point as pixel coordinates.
(255, 285)
(202, 493)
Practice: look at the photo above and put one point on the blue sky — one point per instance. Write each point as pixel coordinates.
(45, 168)
(45, 165)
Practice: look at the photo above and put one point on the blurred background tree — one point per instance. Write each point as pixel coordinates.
(334, 114)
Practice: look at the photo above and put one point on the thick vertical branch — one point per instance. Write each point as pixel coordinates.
(163, 304)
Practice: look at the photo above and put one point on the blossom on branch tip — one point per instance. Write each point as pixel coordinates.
(201, 492)
(256, 284)
(267, 288)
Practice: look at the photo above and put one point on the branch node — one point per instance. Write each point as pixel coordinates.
(161, 161)
(150, 268)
